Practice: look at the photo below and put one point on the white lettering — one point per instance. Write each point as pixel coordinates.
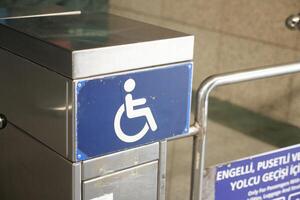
(245, 183)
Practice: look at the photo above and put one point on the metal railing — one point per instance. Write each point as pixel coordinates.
(199, 129)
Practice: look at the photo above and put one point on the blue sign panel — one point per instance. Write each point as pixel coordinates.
(122, 111)
(274, 175)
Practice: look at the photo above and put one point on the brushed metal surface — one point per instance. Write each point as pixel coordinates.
(138, 183)
(23, 15)
(119, 161)
(30, 170)
(162, 171)
(79, 46)
(36, 100)
(76, 181)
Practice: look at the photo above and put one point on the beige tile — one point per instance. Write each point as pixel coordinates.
(263, 96)
(135, 16)
(294, 104)
(147, 7)
(201, 13)
(206, 56)
(239, 53)
(297, 56)
(261, 19)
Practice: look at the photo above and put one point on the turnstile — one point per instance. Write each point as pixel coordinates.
(90, 100)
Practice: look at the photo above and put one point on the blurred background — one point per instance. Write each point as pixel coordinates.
(244, 119)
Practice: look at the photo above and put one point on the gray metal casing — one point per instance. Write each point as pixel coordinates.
(30, 170)
(41, 58)
(40, 66)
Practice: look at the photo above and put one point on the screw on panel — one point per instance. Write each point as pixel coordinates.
(293, 22)
(3, 121)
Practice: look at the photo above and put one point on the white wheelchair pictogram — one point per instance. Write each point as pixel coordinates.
(132, 113)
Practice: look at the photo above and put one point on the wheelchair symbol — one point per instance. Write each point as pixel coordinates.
(132, 113)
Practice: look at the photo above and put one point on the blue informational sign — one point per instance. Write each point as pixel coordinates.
(275, 175)
(127, 110)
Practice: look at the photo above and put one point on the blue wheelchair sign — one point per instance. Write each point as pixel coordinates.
(122, 111)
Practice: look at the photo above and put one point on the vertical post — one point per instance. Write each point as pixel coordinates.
(199, 144)
(162, 170)
(200, 138)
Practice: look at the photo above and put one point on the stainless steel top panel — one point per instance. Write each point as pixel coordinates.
(79, 46)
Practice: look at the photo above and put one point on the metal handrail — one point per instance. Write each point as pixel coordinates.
(200, 126)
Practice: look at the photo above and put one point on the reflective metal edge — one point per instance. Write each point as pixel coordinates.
(119, 161)
(135, 183)
(112, 59)
(71, 122)
(76, 187)
(186, 62)
(98, 60)
(42, 15)
(162, 170)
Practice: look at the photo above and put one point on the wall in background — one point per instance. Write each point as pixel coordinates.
(233, 35)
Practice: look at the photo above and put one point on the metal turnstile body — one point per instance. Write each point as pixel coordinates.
(65, 85)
